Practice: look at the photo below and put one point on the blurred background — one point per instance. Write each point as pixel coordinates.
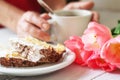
(109, 11)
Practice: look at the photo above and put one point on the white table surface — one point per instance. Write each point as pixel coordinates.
(73, 71)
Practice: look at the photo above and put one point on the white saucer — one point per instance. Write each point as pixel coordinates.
(39, 70)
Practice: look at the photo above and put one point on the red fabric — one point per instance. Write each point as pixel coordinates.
(25, 4)
(1, 26)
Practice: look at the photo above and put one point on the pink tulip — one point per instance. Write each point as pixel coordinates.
(75, 44)
(87, 48)
(95, 36)
(111, 51)
(96, 62)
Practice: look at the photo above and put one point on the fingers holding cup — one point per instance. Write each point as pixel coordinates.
(37, 20)
(32, 24)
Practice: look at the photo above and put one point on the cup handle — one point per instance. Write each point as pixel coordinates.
(52, 31)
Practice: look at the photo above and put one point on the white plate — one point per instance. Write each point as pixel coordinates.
(39, 70)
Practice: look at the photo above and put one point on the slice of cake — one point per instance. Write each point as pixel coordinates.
(28, 52)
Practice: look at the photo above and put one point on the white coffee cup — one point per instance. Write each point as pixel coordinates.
(66, 23)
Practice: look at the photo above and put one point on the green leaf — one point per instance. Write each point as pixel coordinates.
(116, 31)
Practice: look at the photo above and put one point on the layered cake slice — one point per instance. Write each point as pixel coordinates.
(29, 51)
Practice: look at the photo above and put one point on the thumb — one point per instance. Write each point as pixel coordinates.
(45, 16)
(95, 16)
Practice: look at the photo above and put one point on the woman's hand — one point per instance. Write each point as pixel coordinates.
(34, 24)
(83, 5)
